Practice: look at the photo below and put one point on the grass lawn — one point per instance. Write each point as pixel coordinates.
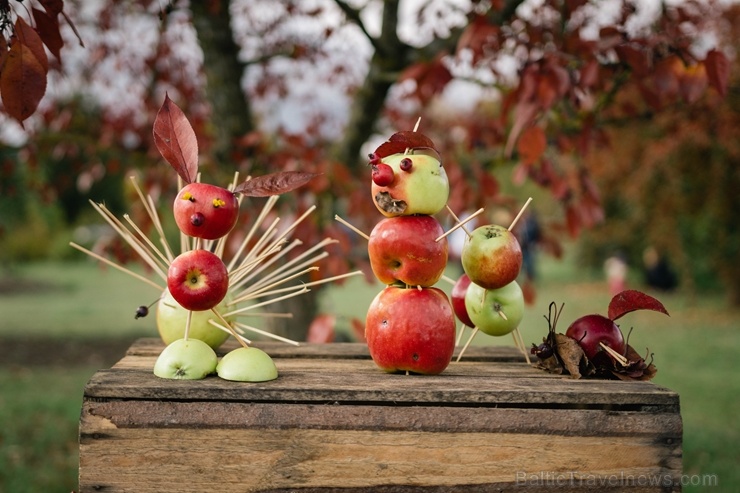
(695, 351)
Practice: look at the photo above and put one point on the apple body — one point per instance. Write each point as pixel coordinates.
(172, 318)
(189, 359)
(590, 330)
(402, 250)
(411, 330)
(419, 188)
(205, 211)
(458, 299)
(496, 312)
(198, 280)
(247, 364)
(491, 256)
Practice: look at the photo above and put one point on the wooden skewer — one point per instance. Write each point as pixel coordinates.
(242, 340)
(151, 211)
(620, 359)
(268, 334)
(265, 291)
(521, 211)
(188, 323)
(418, 121)
(116, 266)
(457, 219)
(267, 315)
(257, 223)
(350, 226)
(460, 224)
(459, 334)
(523, 345)
(470, 339)
(448, 279)
(228, 325)
(268, 302)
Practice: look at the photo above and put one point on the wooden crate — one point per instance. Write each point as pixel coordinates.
(333, 420)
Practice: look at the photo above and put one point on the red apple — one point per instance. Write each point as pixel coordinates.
(402, 249)
(491, 256)
(411, 330)
(198, 280)
(205, 211)
(591, 330)
(406, 184)
(458, 299)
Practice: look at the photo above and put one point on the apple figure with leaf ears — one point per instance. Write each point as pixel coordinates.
(198, 279)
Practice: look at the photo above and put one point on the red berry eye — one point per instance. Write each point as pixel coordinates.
(406, 164)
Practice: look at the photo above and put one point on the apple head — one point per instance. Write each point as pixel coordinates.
(491, 256)
(247, 364)
(402, 250)
(411, 330)
(198, 280)
(458, 299)
(189, 359)
(172, 318)
(205, 211)
(406, 184)
(495, 312)
(592, 330)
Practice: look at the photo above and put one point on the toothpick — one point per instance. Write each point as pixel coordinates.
(460, 224)
(188, 322)
(147, 240)
(475, 332)
(242, 340)
(502, 315)
(521, 211)
(116, 266)
(267, 315)
(228, 325)
(268, 302)
(261, 293)
(151, 211)
(264, 290)
(459, 334)
(457, 219)
(257, 223)
(620, 359)
(268, 334)
(523, 345)
(418, 121)
(448, 279)
(336, 216)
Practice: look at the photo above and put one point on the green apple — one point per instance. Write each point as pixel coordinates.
(172, 318)
(247, 364)
(418, 185)
(496, 312)
(189, 359)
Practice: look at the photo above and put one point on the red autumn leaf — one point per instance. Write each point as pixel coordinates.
(693, 83)
(273, 183)
(22, 82)
(176, 140)
(53, 7)
(358, 328)
(29, 37)
(630, 300)
(400, 141)
(572, 220)
(635, 57)
(531, 144)
(718, 71)
(48, 29)
(3, 51)
(321, 329)
(480, 37)
(524, 114)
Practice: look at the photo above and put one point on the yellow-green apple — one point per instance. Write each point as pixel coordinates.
(189, 359)
(247, 364)
(459, 289)
(411, 329)
(491, 256)
(402, 250)
(406, 184)
(172, 318)
(496, 312)
(205, 211)
(198, 280)
(592, 330)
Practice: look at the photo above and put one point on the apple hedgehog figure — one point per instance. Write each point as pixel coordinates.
(198, 308)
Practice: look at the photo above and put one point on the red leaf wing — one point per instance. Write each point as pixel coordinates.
(273, 183)
(630, 300)
(48, 28)
(176, 140)
(400, 141)
(30, 38)
(22, 82)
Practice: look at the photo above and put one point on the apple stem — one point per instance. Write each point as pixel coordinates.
(188, 322)
(116, 266)
(267, 334)
(457, 219)
(230, 327)
(470, 339)
(461, 224)
(356, 230)
(521, 211)
(620, 359)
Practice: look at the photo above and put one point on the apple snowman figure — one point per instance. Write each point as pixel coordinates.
(410, 325)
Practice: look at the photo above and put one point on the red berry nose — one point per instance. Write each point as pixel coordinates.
(382, 174)
(197, 219)
(406, 164)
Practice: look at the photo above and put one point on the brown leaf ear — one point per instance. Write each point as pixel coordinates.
(400, 141)
(274, 183)
(176, 141)
(630, 300)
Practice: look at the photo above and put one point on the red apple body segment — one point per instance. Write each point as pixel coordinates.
(205, 211)
(491, 256)
(198, 280)
(402, 249)
(411, 330)
(591, 330)
(458, 299)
